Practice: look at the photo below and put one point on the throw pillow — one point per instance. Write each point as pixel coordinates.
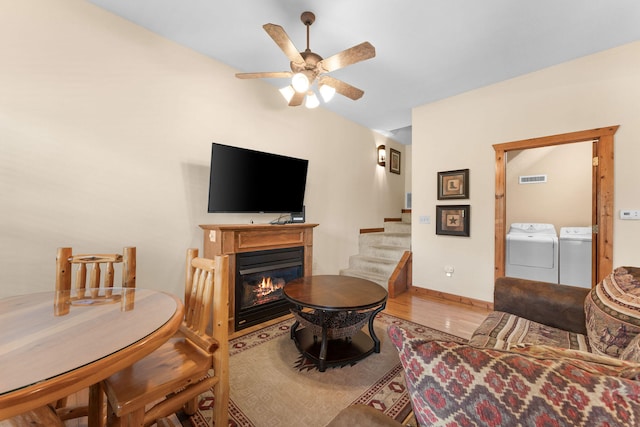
(457, 384)
(632, 352)
(612, 311)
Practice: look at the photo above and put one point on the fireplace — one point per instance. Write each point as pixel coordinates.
(260, 279)
(237, 239)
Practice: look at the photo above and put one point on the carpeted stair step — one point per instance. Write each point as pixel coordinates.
(386, 239)
(397, 227)
(383, 251)
(371, 264)
(380, 252)
(380, 279)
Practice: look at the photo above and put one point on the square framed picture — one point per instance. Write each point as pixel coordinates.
(394, 164)
(453, 220)
(453, 184)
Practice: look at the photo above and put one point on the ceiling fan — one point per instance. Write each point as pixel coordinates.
(308, 66)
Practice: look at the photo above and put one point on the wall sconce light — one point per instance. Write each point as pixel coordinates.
(382, 155)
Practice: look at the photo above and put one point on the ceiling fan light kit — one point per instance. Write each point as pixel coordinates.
(309, 68)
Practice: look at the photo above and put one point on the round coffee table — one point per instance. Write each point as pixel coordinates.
(341, 305)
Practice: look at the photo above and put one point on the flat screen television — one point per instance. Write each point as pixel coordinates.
(243, 180)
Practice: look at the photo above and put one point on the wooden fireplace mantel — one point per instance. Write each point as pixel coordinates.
(231, 239)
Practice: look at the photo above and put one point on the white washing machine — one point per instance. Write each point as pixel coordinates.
(532, 252)
(575, 256)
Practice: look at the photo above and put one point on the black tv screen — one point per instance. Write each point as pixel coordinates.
(243, 180)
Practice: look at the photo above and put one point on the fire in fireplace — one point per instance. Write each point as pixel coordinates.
(268, 289)
(260, 278)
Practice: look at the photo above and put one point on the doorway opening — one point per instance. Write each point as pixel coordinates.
(602, 194)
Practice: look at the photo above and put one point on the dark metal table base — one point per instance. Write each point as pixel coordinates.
(339, 351)
(336, 352)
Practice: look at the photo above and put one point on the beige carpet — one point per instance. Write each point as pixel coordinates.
(272, 387)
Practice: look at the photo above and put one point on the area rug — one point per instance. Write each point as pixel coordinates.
(272, 386)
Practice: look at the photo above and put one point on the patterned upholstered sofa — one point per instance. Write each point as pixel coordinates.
(548, 355)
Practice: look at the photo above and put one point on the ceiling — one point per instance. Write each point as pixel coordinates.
(426, 50)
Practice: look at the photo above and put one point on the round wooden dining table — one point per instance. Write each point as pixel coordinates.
(53, 345)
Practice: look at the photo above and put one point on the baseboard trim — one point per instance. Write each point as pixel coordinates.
(451, 297)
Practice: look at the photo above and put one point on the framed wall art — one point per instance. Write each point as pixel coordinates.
(453, 184)
(453, 220)
(394, 164)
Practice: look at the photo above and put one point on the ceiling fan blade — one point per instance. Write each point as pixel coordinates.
(344, 89)
(350, 56)
(277, 33)
(274, 75)
(296, 99)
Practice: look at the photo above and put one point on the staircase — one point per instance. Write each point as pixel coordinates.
(385, 256)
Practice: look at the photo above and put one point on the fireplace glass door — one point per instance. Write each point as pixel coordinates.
(260, 280)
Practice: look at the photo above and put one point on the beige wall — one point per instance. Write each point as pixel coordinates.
(456, 133)
(407, 168)
(105, 139)
(565, 199)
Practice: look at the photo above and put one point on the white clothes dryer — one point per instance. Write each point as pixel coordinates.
(575, 256)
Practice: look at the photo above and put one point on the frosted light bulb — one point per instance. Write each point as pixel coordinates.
(327, 92)
(287, 92)
(312, 100)
(300, 82)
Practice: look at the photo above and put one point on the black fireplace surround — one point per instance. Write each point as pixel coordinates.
(260, 278)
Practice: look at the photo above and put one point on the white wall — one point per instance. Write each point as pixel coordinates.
(105, 139)
(456, 133)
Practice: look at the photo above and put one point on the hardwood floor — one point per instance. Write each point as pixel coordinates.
(449, 316)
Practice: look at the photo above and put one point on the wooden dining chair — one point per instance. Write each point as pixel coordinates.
(94, 279)
(45, 416)
(193, 361)
(66, 261)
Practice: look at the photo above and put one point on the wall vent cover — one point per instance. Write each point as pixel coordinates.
(533, 179)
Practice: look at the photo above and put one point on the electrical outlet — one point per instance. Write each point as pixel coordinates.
(448, 270)
(425, 219)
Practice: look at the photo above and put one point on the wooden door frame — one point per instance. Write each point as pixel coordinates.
(602, 190)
